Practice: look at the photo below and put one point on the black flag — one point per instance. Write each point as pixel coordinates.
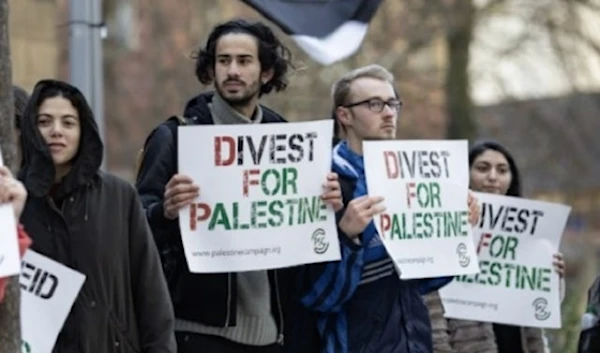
(327, 30)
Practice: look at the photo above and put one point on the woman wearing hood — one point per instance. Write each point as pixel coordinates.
(92, 222)
(492, 170)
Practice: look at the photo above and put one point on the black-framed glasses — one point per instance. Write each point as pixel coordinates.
(376, 105)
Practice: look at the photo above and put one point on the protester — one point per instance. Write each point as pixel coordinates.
(589, 339)
(361, 305)
(492, 170)
(92, 222)
(13, 191)
(229, 312)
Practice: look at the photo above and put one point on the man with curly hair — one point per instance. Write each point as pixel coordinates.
(228, 312)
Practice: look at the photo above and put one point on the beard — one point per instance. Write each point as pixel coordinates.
(242, 97)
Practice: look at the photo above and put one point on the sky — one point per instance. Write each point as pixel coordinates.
(533, 69)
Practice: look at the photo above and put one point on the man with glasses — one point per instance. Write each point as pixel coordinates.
(360, 304)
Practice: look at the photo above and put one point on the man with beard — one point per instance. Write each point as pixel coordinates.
(229, 312)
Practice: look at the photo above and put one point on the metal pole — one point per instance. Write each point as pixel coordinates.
(97, 72)
(80, 52)
(85, 56)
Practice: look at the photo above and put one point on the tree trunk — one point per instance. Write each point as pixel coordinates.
(10, 330)
(459, 106)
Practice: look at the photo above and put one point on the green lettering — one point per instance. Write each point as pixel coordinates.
(464, 223)
(545, 279)
(509, 268)
(219, 217)
(417, 225)
(257, 211)
(428, 227)
(495, 269)
(290, 176)
(321, 212)
(395, 229)
(275, 208)
(483, 265)
(511, 245)
(291, 203)
(435, 194)
(264, 182)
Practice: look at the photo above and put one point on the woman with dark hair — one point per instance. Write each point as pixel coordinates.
(94, 223)
(492, 170)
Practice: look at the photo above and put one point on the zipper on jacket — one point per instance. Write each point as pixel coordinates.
(61, 214)
(280, 337)
(228, 316)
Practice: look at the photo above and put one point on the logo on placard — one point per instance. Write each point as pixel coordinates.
(540, 306)
(463, 259)
(320, 244)
(25, 347)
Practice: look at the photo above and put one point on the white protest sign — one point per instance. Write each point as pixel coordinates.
(259, 206)
(9, 243)
(516, 239)
(48, 291)
(425, 227)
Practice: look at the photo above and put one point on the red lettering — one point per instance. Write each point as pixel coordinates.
(409, 193)
(391, 164)
(483, 241)
(194, 217)
(219, 142)
(384, 223)
(247, 180)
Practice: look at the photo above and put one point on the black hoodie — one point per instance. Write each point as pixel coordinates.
(94, 223)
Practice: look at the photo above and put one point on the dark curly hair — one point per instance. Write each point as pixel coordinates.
(272, 54)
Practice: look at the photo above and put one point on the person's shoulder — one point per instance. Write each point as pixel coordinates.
(115, 185)
(271, 116)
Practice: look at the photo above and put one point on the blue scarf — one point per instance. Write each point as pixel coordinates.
(350, 165)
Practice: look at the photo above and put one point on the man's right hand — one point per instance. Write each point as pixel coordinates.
(179, 192)
(359, 213)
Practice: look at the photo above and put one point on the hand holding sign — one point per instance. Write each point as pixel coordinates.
(332, 194)
(268, 208)
(474, 209)
(179, 192)
(13, 191)
(12, 201)
(359, 214)
(559, 264)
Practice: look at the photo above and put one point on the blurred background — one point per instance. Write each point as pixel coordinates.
(523, 72)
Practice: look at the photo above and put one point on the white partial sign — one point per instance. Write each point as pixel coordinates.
(259, 206)
(48, 291)
(516, 239)
(425, 227)
(9, 242)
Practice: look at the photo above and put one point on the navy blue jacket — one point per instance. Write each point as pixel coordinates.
(360, 303)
